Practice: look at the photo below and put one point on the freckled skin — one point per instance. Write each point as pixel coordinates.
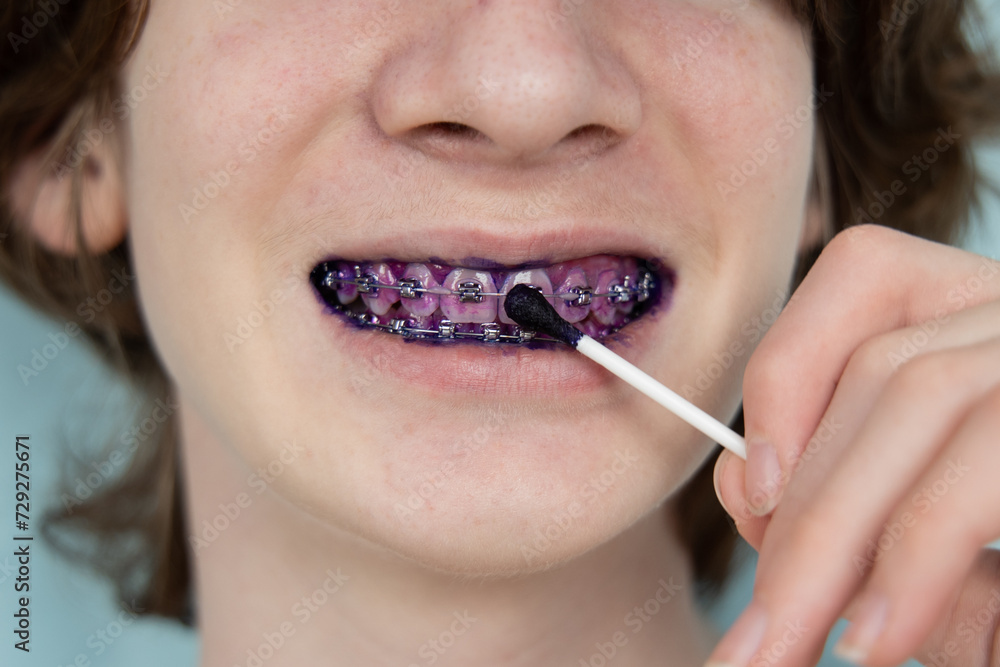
(319, 176)
(321, 117)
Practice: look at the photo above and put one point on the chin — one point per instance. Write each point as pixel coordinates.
(503, 496)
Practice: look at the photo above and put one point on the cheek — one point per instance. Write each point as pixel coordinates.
(734, 83)
(211, 148)
(745, 109)
(748, 106)
(729, 92)
(736, 99)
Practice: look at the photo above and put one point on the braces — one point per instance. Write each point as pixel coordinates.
(632, 288)
(489, 331)
(472, 292)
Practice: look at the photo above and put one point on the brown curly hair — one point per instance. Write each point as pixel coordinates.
(902, 72)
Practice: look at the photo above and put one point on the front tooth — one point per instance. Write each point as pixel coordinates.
(458, 311)
(576, 277)
(381, 301)
(536, 277)
(604, 308)
(426, 303)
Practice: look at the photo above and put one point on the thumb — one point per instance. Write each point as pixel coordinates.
(729, 475)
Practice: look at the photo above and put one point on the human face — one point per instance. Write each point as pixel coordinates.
(286, 134)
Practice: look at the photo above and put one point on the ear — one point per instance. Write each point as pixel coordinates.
(818, 223)
(42, 193)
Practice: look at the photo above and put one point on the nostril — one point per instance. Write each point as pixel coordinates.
(584, 130)
(594, 138)
(447, 137)
(452, 136)
(452, 129)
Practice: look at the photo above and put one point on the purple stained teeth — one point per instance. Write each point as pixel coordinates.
(534, 277)
(605, 309)
(466, 303)
(339, 280)
(578, 308)
(379, 300)
(415, 294)
(598, 294)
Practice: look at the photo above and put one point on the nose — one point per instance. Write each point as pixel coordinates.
(512, 81)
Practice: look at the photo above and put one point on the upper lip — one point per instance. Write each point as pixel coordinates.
(472, 243)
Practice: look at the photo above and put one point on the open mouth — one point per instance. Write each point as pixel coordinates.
(431, 301)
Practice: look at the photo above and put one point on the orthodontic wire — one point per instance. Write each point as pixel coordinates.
(471, 291)
(365, 286)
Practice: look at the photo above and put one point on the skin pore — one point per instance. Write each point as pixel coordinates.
(284, 133)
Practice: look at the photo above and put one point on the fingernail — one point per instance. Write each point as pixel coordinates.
(715, 481)
(742, 640)
(859, 638)
(764, 479)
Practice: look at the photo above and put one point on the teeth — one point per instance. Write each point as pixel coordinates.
(389, 315)
(380, 300)
(347, 292)
(425, 322)
(471, 306)
(426, 303)
(604, 308)
(534, 277)
(575, 279)
(626, 302)
(392, 317)
(427, 300)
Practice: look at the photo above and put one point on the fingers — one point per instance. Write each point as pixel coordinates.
(968, 628)
(749, 490)
(955, 503)
(868, 281)
(873, 372)
(856, 484)
(729, 489)
(838, 505)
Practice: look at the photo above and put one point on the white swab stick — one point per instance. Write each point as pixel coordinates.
(648, 385)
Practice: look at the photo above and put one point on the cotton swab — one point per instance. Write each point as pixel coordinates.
(526, 306)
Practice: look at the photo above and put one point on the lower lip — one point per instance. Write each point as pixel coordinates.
(475, 368)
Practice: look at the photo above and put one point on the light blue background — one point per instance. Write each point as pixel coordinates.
(69, 606)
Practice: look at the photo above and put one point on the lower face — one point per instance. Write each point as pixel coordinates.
(319, 263)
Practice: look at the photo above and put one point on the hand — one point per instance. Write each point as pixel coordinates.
(878, 391)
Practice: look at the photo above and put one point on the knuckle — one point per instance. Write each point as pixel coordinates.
(861, 241)
(857, 258)
(871, 359)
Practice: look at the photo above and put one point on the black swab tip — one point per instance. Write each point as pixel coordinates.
(526, 306)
